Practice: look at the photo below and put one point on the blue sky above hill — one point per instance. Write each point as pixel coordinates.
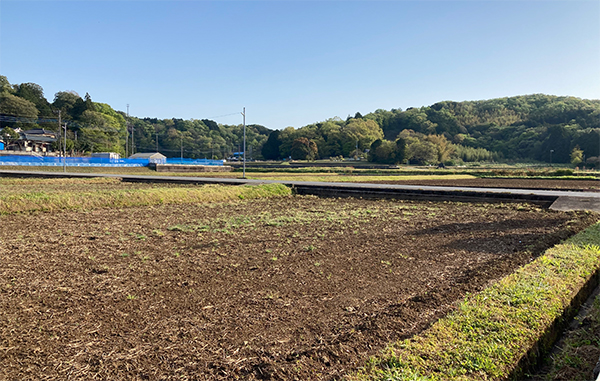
(291, 63)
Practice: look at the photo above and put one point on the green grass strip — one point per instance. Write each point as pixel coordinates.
(492, 331)
(358, 179)
(46, 202)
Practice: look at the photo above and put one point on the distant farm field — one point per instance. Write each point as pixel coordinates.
(405, 176)
(271, 286)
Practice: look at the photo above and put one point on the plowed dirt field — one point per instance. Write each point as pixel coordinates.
(296, 288)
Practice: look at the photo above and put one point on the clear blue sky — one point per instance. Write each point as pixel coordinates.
(291, 63)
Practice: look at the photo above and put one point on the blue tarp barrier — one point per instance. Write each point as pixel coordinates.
(175, 160)
(94, 161)
(71, 161)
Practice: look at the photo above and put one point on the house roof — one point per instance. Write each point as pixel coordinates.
(148, 155)
(39, 138)
(39, 131)
(39, 135)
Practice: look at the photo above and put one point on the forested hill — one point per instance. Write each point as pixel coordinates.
(525, 128)
(521, 127)
(530, 127)
(97, 127)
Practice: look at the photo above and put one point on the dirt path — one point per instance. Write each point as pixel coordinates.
(295, 288)
(583, 185)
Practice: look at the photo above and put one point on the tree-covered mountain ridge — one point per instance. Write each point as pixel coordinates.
(536, 127)
(519, 127)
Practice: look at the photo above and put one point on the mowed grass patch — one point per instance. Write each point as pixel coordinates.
(337, 177)
(120, 198)
(490, 333)
(311, 173)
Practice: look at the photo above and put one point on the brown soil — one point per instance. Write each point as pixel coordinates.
(582, 185)
(298, 288)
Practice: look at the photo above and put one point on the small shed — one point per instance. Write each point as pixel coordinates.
(152, 157)
(106, 155)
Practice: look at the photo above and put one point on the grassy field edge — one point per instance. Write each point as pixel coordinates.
(47, 202)
(500, 332)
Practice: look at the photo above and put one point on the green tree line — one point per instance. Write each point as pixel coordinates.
(531, 127)
(97, 127)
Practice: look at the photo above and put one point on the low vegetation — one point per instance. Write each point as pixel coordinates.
(491, 332)
(24, 195)
(578, 351)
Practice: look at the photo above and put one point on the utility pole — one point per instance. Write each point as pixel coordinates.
(65, 149)
(132, 133)
(127, 133)
(244, 170)
(181, 149)
(156, 138)
(59, 127)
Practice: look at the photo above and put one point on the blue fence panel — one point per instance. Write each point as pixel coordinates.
(33, 160)
(176, 160)
(71, 161)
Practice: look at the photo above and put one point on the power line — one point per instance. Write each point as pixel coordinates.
(221, 116)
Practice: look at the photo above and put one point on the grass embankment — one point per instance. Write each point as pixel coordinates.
(579, 350)
(491, 334)
(120, 198)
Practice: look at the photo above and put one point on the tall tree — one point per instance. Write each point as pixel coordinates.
(65, 101)
(443, 147)
(576, 155)
(304, 149)
(270, 149)
(34, 93)
(5, 85)
(400, 150)
(17, 106)
(9, 135)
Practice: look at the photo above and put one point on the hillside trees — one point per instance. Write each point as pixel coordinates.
(530, 127)
(304, 149)
(518, 128)
(34, 93)
(333, 137)
(94, 126)
(65, 101)
(198, 139)
(270, 149)
(16, 106)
